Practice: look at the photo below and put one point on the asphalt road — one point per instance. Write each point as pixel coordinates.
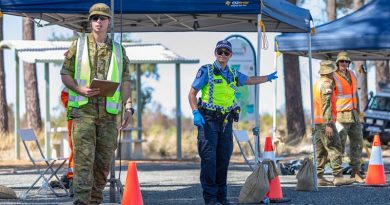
(166, 183)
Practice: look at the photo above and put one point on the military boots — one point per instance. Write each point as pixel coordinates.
(357, 176)
(339, 180)
(321, 181)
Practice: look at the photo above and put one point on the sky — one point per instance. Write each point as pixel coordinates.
(193, 45)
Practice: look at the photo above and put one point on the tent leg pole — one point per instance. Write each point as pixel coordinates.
(312, 113)
(256, 130)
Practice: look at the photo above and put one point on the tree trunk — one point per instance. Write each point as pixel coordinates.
(381, 73)
(357, 4)
(4, 129)
(361, 76)
(331, 9)
(361, 84)
(31, 83)
(294, 107)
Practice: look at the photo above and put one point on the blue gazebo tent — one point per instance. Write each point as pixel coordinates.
(169, 15)
(365, 34)
(174, 16)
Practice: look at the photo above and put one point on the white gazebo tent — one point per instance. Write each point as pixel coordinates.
(47, 52)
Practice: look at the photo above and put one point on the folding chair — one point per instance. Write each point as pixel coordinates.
(28, 137)
(241, 136)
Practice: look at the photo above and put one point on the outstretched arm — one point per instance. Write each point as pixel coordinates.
(261, 79)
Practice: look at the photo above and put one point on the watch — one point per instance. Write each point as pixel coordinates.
(130, 110)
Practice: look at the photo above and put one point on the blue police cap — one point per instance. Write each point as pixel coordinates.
(224, 44)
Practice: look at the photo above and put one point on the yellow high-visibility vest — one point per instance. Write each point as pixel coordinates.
(82, 75)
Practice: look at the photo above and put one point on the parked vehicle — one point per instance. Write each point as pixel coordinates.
(377, 115)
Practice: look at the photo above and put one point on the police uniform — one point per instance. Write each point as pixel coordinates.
(94, 119)
(348, 115)
(325, 115)
(215, 142)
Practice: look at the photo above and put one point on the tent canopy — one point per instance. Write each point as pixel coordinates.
(168, 15)
(365, 34)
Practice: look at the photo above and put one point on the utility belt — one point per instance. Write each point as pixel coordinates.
(233, 113)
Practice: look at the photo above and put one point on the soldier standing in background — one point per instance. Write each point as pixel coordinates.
(327, 139)
(94, 118)
(348, 113)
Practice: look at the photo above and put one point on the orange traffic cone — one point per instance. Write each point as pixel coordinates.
(132, 194)
(269, 149)
(376, 171)
(275, 193)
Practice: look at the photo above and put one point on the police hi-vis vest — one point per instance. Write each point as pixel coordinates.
(345, 93)
(82, 75)
(318, 109)
(217, 94)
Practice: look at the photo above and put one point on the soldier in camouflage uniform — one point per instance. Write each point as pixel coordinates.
(327, 139)
(95, 127)
(348, 113)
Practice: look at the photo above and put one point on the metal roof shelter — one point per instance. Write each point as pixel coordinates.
(53, 52)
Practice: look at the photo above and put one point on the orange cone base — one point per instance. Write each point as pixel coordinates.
(132, 193)
(275, 194)
(376, 175)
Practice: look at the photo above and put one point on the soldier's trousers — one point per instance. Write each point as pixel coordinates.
(327, 148)
(94, 144)
(355, 134)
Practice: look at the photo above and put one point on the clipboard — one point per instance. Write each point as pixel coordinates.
(107, 88)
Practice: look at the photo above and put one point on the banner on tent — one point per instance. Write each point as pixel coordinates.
(244, 60)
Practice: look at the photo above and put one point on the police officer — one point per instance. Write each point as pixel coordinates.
(348, 113)
(327, 139)
(213, 115)
(95, 128)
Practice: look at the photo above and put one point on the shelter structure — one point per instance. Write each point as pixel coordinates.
(47, 52)
(168, 15)
(364, 34)
(175, 16)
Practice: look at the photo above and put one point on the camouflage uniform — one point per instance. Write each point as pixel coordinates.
(352, 128)
(94, 130)
(327, 148)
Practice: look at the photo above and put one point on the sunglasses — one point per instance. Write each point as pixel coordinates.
(225, 53)
(343, 61)
(97, 17)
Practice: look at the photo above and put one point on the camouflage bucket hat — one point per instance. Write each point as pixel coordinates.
(327, 67)
(100, 9)
(343, 56)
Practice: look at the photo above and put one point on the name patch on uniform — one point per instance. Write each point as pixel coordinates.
(218, 81)
(199, 74)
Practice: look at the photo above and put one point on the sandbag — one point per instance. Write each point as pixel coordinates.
(305, 176)
(256, 185)
(7, 193)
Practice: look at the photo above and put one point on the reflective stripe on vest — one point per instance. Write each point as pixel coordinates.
(83, 75)
(345, 92)
(318, 110)
(218, 94)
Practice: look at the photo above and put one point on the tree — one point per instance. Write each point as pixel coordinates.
(4, 129)
(331, 10)
(292, 85)
(33, 109)
(381, 73)
(361, 76)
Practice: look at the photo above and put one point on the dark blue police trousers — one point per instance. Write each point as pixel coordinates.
(215, 147)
